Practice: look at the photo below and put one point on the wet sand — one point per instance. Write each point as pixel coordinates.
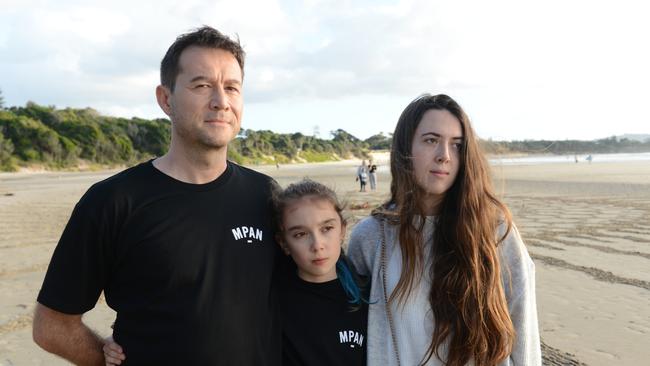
(587, 227)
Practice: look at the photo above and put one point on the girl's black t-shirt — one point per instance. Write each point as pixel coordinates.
(318, 325)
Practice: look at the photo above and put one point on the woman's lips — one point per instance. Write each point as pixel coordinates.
(439, 173)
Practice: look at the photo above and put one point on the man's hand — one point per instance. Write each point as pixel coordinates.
(67, 336)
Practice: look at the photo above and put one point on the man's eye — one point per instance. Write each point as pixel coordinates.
(327, 228)
(431, 140)
(298, 235)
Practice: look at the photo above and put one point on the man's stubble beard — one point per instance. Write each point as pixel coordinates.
(196, 139)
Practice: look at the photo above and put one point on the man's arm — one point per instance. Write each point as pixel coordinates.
(67, 336)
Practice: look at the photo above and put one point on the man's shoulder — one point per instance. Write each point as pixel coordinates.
(251, 177)
(248, 172)
(138, 171)
(121, 183)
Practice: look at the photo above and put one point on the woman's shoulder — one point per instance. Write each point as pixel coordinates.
(363, 241)
(512, 249)
(365, 232)
(367, 225)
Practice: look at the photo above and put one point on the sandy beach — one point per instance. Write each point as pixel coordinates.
(587, 227)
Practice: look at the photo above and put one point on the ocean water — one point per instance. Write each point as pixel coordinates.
(582, 159)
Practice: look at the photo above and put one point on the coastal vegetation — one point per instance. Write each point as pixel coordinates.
(44, 136)
(609, 145)
(52, 138)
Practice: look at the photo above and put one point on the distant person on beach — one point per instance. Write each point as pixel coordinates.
(182, 245)
(453, 281)
(372, 175)
(589, 158)
(362, 176)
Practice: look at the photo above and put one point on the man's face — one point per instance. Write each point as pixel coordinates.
(206, 104)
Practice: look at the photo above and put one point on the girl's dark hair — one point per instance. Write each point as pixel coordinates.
(466, 294)
(352, 284)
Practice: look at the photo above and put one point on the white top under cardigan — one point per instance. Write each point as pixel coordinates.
(414, 321)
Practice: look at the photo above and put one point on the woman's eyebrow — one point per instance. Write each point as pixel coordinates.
(439, 135)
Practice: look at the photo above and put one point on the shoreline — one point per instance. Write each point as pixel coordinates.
(381, 157)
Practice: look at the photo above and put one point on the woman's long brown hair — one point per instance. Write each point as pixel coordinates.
(466, 296)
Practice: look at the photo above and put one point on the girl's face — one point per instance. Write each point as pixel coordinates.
(312, 235)
(436, 155)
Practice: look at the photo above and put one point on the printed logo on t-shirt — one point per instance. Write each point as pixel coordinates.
(247, 233)
(352, 338)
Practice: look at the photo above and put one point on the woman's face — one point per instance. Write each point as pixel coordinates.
(435, 153)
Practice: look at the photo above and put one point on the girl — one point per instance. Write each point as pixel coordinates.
(454, 282)
(322, 309)
(323, 313)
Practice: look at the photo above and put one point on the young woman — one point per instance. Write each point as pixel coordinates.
(453, 281)
(323, 311)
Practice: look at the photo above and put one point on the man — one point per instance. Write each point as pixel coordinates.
(181, 245)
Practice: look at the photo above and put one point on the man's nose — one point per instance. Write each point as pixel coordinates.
(219, 99)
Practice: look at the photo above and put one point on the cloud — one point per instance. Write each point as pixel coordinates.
(570, 54)
(340, 49)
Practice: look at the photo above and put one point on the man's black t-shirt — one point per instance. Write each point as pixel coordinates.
(187, 267)
(318, 327)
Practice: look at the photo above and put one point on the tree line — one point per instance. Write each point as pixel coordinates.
(609, 145)
(63, 138)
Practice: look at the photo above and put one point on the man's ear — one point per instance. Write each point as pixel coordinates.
(163, 96)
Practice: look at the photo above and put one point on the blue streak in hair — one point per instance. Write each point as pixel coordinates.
(350, 286)
(347, 281)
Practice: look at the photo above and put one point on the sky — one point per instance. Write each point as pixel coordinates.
(553, 69)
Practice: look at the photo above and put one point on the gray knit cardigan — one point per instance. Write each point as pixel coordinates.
(518, 278)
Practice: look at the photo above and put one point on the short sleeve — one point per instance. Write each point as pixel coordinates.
(77, 272)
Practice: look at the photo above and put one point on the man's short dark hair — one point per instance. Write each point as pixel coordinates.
(202, 37)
